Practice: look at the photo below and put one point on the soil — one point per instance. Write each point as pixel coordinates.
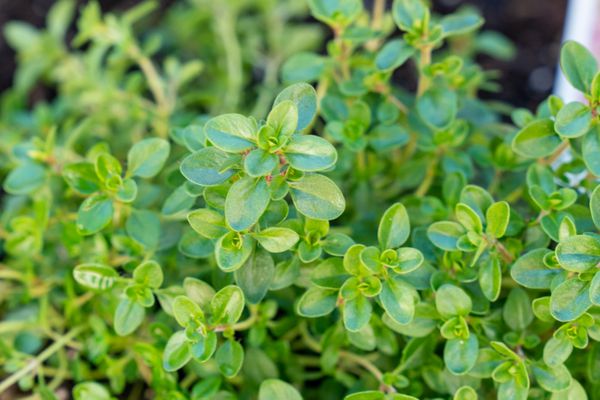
(534, 26)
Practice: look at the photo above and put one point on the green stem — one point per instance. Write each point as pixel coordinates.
(504, 253)
(40, 358)
(164, 107)
(225, 24)
(243, 325)
(376, 23)
(369, 366)
(361, 161)
(557, 153)
(308, 339)
(429, 177)
(424, 61)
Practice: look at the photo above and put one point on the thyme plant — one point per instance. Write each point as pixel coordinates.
(173, 231)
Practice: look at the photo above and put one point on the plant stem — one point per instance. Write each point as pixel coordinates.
(424, 61)
(308, 339)
(399, 105)
(369, 366)
(429, 177)
(361, 161)
(156, 86)
(506, 256)
(40, 358)
(557, 153)
(155, 82)
(225, 28)
(243, 325)
(376, 23)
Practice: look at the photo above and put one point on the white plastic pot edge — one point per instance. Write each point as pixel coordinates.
(582, 24)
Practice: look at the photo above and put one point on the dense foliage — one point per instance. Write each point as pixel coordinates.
(214, 209)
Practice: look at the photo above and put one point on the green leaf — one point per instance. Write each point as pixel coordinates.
(573, 120)
(398, 300)
(271, 389)
(595, 289)
(255, 276)
(460, 23)
(557, 351)
(329, 274)
(303, 67)
(283, 118)
(393, 54)
(246, 201)
(146, 158)
(195, 246)
(366, 395)
(511, 390)
(233, 133)
(95, 276)
(460, 355)
(570, 300)
(409, 14)
(578, 65)
(552, 379)
(497, 217)
(144, 227)
(468, 218)
(595, 89)
(438, 107)
(541, 309)
(277, 240)
(206, 167)
(537, 139)
(578, 253)
(207, 223)
(304, 97)
(357, 313)
(206, 388)
(465, 393)
(490, 278)
(317, 302)
(186, 311)
(318, 197)
(198, 291)
(409, 259)
(81, 177)
(203, 347)
(25, 179)
(227, 305)
(259, 163)
(232, 251)
(477, 198)
(90, 391)
(107, 168)
(517, 311)
(445, 234)
(148, 273)
(128, 191)
(229, 358)
(336, 244)
(94, 214)
(595, 206)
(335, 12)
(128, 316)
(529, 270)
(451, 301)
(394, 227)
(177, 352)
(310, 153)
(591, 149)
